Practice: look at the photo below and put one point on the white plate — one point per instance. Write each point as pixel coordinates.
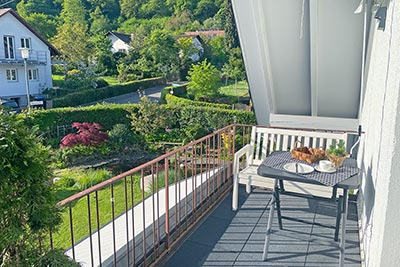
(302, 168)
(331, 170)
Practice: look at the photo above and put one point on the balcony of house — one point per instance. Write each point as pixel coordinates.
(176, 210)
(35, 57)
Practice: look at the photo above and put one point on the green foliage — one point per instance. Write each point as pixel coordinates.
(149, 118)
(173, 100)
(91, 177)
(337, 149)
(205, 9)
(231, 35)
(106, 115)
(203, 80)
(43, 23)
(84, 77)
(121, 135)
(87, 96)
(56, 258)
(75, 34)
(27, 201)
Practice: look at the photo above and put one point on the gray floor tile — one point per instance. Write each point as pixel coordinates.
(229, 238)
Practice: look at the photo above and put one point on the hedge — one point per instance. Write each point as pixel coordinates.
(178, 101)
(180, 91)
(107, 115)
(182, 117)
(87, 96)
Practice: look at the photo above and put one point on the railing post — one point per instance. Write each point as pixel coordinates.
(166, 167)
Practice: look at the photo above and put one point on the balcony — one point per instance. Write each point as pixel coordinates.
(35, 57)
(187, 187)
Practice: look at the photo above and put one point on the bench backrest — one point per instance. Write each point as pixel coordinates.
(265, 140)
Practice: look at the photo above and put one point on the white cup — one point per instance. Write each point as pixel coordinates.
(325, 165)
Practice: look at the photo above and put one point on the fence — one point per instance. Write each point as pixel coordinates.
(141, 222)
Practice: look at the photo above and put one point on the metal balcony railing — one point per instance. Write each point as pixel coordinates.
(35, 56)
(176, 189)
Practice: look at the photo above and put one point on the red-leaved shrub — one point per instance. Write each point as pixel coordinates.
(88, 134)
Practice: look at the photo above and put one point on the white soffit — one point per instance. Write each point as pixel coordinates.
(300, 59)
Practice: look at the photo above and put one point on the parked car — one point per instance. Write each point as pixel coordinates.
(10, 105)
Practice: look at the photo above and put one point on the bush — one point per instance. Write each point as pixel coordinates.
(87, 96)
(120, 135)
(87, 134)
(106, 115)
(178, 101)
(101, 83)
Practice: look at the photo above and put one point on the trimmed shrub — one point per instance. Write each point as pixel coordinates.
(179, 91)
(178, 101)
(101, 83)
(87, 96)
(106, 115)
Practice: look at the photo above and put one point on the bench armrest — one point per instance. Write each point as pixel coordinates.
(246, 150)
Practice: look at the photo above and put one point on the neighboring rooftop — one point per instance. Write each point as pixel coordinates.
(208, 33)
(126, 38)
(53, 50)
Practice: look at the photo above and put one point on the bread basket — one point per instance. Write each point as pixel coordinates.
(309, 155)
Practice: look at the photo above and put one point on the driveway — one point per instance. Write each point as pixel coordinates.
(153, 93)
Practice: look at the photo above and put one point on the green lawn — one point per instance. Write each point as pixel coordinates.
(62, 238)
(229, 90)
(110, 79)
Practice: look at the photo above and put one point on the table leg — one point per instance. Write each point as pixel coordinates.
(278, 207)
(269, 226)
(343, 234)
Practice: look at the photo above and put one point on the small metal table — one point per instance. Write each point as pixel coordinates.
(351, 182)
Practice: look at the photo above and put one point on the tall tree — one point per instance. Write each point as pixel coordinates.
(160, 49)
(99, 22)
(205, 9)
(231, 35)
(130, 8)
(73, 11)
(72, 38)
(73, 43)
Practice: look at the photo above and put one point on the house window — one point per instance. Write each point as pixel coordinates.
(11, 74)
(9, 47)
(25, 43)
(33, 74)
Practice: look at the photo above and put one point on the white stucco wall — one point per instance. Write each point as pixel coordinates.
(9, 25)
(379, 156)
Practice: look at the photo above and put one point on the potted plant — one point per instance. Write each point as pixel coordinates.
(337, 153)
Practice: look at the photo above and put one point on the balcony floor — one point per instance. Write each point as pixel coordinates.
(227, 238)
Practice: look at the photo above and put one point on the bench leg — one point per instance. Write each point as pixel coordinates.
(248, 187)
(235, 193)
(269, 225)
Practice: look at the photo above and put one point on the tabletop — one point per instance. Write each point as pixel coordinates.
(351, 181)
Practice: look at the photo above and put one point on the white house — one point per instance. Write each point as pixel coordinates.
(197, 45)
(119, 41)
(16, 33)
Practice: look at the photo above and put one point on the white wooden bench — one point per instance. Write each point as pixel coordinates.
(263, 141)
